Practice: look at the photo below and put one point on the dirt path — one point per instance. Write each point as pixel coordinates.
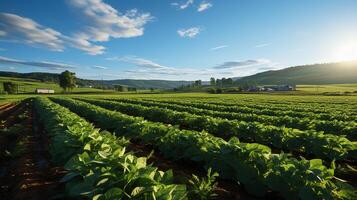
(30, 174)
(7, 110)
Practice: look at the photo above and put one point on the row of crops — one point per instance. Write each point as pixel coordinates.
(264, 151)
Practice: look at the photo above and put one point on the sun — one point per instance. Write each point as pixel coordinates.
(345, 51)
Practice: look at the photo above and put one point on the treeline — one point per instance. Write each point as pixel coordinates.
(223, 85)
(10, 88)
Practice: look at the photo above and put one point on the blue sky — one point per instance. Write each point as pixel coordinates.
(174, 39)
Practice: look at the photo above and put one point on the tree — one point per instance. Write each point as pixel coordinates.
(132, 89)
(120, 88)
(67, 80)
(198, 83)
(10, 87)
(229, 81)
(219, 82)
(213, 81)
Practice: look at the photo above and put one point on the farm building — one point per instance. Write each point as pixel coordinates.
(279, 88)
(44, 91)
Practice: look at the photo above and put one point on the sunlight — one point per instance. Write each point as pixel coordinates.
(345, 51)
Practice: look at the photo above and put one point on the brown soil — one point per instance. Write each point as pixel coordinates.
(29, 175)
(6, 111)
(3, 106)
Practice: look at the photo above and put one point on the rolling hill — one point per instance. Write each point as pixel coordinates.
(141, 84)
(318, 74)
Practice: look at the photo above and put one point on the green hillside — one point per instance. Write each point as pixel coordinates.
(140, 84)
(331, 73)
(159, 84)
(29, 85)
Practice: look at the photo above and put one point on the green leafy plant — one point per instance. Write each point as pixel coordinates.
(203, 188)
(251, 164)
(321, 145)
(98, 164)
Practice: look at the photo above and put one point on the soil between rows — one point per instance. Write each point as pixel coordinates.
(30, 174)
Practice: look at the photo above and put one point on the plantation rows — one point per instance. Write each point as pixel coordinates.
(321, 146)
(291, 100)
(334, 127)
(99, 166)
(228, 107)
(245, 149)
(307, 109)
(252, 165)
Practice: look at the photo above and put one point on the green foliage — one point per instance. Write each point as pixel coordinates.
(203, 188)
(311, 142)
(99, 166)
(12, 134)
(67, 80)
(330, 73)
(212, 81)
(10, 87)
(253, 165)
(121, 88)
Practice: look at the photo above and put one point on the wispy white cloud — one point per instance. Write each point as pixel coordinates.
(139, 62)
(262, 45)
(101, 23)
(24, 30)
(190, 32)
(104, 22)
(41, 64)
(240, 64)
(3, 33)
(183, 5)
(148, 69)
(218, 47)
(204, 6)
(19, 29)
(99, 67)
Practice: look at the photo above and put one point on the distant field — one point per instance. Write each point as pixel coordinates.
(328, 88)
(30, 85)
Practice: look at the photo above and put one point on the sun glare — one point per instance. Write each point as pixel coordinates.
(345, 51)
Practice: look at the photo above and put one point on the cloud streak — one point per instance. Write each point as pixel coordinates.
(190, 32)
(41, 64)
(240, 64)
(184, 5)
(99, 67)
(262, 45)
(204, 6)
(148, 69)
(139, 62)
(218, 47)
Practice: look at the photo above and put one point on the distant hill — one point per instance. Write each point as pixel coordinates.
(159, 84)
(331, 73)
(142, 84)
(317, 74)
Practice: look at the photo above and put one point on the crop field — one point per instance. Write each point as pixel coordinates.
(179, 146)
(27, 86)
